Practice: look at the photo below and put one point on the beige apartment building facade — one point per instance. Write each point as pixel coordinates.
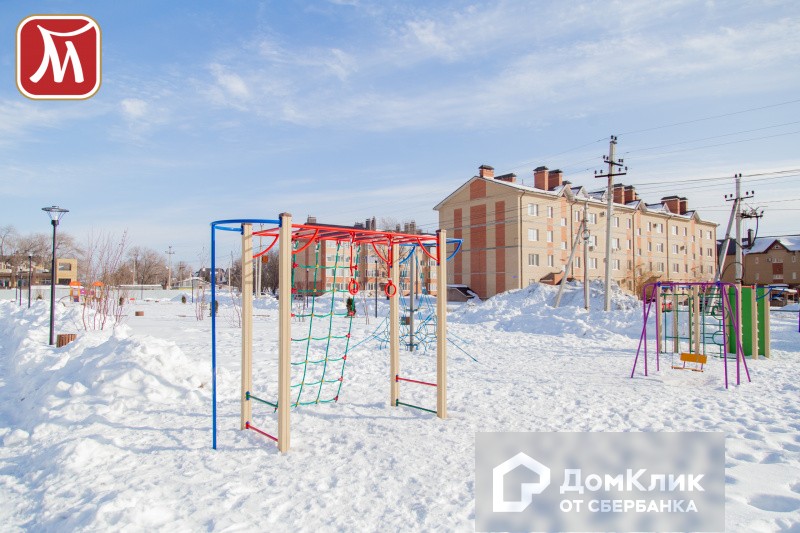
(515, 234)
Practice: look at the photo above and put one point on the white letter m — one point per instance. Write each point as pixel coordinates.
(51, 56)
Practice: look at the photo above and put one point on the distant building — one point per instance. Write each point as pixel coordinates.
(770, 260)
(516, 234)
(14, 272)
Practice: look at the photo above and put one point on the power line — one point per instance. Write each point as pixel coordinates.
(682, 123)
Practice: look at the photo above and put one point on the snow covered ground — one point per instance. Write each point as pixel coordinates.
(113, 431)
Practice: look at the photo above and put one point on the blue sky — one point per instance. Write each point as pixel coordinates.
(351, 109)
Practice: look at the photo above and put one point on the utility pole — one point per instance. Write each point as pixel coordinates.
(612, 162)
(737, 216)
(170, 253)
(586, 254)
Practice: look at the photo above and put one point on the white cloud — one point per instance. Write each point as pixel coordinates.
(134, 108)
(231, 83)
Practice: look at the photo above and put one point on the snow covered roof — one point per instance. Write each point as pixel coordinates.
(762, 244)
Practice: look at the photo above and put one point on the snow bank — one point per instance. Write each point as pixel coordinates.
(531, 310)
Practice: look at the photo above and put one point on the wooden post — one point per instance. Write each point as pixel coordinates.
(441, 326)
(284, 328)
(659, 325)
(676, 348)
(696, 317)
(753, 322)
(738, 342)
(394, 326)
(766, 326)
(247, 322)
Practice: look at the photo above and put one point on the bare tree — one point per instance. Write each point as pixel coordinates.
(8, 236)
(150, 266)
(641, 276)
(269, 270)
(102, 263)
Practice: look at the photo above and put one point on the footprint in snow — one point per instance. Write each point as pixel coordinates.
(775, 503)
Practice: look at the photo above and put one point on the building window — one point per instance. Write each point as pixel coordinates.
(592, 218)
(659, 228)
(630, 223)
(563, 221)
(685, 232)
(756, 260)
(709, 252)
(563, 245)
(577, 216)
(550, 260)
(674, 248)
(674, 230)
(794, 275)
(708, 234)
(592, 240)
(550, 236)
(549, 211)
(533, 235)
(660, 267)
(639, 232)
(615, 264)
(615, 244)
(577, 262)
(593, 262)
(533, 260)
(616, 222)
(533, 210)
(630, 244)
(676, 267)
(660, 247)
(649, 246)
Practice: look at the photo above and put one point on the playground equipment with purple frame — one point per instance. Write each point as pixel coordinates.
(652, 296)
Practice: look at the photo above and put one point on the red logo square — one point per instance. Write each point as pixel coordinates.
(58, 57)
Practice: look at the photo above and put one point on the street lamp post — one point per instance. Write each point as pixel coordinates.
(55, 213)
(30, 263)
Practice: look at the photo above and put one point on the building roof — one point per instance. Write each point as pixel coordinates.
(575, 192)
(762, 244)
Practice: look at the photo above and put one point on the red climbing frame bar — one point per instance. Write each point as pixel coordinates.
(248, 425)
(398, 378)
(319, 232)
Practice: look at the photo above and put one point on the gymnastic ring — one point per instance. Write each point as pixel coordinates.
(352, 287)
(390, 289)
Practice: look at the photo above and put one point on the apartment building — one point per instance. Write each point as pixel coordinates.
(769, 261)
(335, 258)
(14, 272)
(516, 234)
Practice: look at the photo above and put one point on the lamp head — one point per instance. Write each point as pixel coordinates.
(55, 213)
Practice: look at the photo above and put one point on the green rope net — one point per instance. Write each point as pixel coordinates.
(322, 321)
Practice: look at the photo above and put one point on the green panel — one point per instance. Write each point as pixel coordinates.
(762, 302)
(747, 321)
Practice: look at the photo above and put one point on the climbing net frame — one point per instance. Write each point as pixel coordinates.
(292, 239)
